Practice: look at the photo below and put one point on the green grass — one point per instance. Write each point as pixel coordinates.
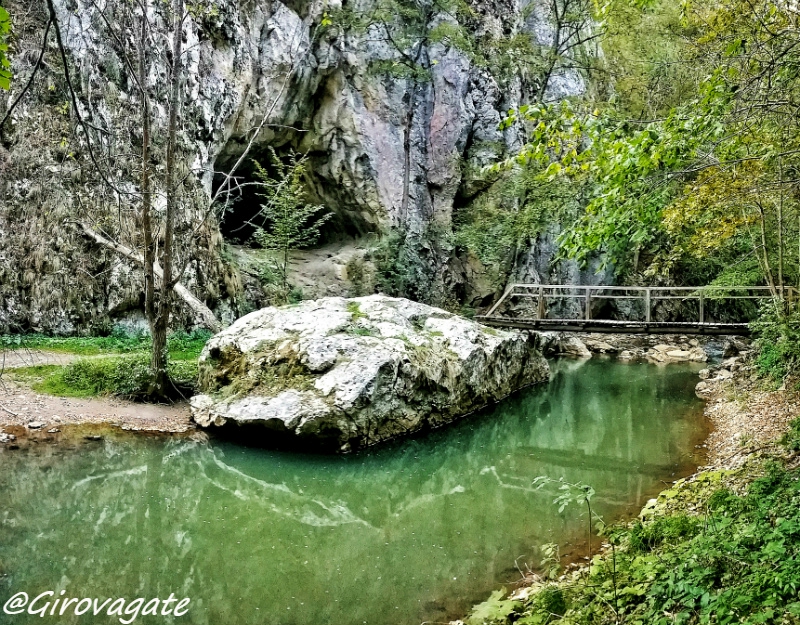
(123, 376)
(182, 345)
(355, 309)
(113, 365)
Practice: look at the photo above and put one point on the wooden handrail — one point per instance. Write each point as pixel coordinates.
(647, 294)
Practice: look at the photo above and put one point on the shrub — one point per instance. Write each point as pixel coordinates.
(644, 538)
(791, 440)
(778, 342)
(126, 376)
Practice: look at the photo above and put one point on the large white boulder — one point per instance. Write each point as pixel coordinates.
(347, 373)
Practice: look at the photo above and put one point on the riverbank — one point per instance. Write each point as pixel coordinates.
(719, 544)
(23, 410)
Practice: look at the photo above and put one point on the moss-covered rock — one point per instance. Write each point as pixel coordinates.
(350, 373)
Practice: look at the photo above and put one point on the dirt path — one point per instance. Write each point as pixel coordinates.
(17, 358)
(20, 406)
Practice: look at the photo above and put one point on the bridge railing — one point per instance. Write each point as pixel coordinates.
(649, 296)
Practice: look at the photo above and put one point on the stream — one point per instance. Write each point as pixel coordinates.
(416, 530)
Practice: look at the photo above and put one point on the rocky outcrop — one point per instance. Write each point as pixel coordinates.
(656, 348)
(387, 150)
(343, 374)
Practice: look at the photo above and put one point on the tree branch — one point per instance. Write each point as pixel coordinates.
(202, 311)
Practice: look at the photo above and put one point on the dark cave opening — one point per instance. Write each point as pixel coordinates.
(243, 215)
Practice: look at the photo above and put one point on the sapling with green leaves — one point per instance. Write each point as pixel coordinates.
(293, 222)
(569, 492)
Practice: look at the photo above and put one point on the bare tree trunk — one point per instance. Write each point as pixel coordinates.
(201, 311)
(160, 381)
(780, 228)
(767, 267)
(147, 198)
(555, 52)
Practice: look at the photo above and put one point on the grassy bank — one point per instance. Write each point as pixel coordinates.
(182, 345)
(112, 365)
(723, 547)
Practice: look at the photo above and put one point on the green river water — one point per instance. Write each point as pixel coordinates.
(412, 531)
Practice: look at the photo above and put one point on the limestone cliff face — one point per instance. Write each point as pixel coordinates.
(387, 151)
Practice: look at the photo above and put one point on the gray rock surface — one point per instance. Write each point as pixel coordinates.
(347, 373)
(275, 66)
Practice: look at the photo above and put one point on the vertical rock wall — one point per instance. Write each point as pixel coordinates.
(308, 82)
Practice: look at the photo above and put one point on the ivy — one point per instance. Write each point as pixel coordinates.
(5, 63)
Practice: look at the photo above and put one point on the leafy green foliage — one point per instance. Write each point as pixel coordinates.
(5, 64)
(736, 561)
(645, 73)
(714, 173)
(403, 267)
(513, 212)
(496, 609)
(124, 376)
(645, 538)
(293, 221)
(778, 343)
(791, 440)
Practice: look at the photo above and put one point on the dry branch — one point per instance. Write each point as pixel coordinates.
(202, 311)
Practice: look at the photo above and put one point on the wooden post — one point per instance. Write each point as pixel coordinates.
(540, 311)
(647, 304)
(702, 306)
(588, 303)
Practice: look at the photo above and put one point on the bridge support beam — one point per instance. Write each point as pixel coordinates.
(702, 306)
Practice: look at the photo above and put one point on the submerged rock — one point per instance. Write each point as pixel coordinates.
(343, 374)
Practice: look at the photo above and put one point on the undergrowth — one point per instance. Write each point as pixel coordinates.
(778, 342)
(182, 345)
(112, 365)
(123, 376)
(722, 549)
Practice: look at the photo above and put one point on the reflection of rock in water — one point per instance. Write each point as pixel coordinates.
(341, 539)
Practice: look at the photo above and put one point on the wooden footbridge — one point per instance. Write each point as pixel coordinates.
(631, 309)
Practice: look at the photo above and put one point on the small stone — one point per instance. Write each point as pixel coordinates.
(703, 389)
(53, 431)
(7, 438)
(697, 354)
(704, 374)
(35, 425)
(93, 437)
(626, 355)
(678, 354)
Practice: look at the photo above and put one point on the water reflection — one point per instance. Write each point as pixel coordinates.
(412, 531)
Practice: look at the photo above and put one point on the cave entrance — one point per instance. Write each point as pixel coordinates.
(244, 214)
